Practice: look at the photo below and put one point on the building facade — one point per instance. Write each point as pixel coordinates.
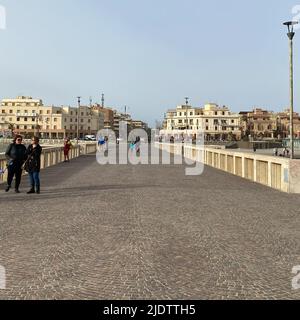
(217, 123)
(28, 117)
(260, 123)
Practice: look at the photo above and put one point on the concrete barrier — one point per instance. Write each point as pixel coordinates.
(276, 172)
(52, 156)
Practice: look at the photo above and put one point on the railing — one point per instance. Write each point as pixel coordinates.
(52, 156)
(48, 141)
(276, 172)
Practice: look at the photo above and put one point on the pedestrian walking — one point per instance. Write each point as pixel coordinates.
(16, 156)
(138, 144)
(33, 165)
(275, 152)
(284, 152)
(101, 143)
(106, 144)
(67, 148)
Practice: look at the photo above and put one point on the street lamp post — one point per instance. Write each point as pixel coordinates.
(291, 34)
(78, 111)
(186, 104)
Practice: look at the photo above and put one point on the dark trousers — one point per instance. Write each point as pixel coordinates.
(34, 179)
(14, 171)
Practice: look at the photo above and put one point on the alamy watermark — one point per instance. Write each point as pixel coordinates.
(296, 279)
(2, 18)
(134, 148)
(2, 278)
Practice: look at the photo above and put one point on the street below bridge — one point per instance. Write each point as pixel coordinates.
(148, 232)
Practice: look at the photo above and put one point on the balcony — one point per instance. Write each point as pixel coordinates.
(29, 115)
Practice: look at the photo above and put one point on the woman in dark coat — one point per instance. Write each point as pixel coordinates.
(33, 165)
(16, 155)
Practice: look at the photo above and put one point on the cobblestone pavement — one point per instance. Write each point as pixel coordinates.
(148, 232)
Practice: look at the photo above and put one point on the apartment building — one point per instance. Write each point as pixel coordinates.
(28, 116)
(216, 122)
(260, 123)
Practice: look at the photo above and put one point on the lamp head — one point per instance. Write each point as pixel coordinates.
(290, 25)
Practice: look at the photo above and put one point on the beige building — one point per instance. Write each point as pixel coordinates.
(260, 123)
(28, 116)
(138, 124)
(216, 122)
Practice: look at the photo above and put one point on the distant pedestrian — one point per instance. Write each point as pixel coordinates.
(101, 143)
(138, 144)
(287, 152)
(284, 152)
(254, 148)
(275, 152)
(16, 156)
(67, 148)
(33, 165)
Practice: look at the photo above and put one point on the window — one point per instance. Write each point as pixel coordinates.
(81, 120)
(25, 119)
(25, 111)
(89, 121)
(3, 111)
(25, 127)
(48, 127)
(10, 119)
(48, 111)
(10, 111)
(232, 121)
(71, 120)
(216, 113)
(41, 111)
(216, 128)
(55, 119)
(55, 127)
(33, 119)
(206, 128)
(18, 119)
(206, 120)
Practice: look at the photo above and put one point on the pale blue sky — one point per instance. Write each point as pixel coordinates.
(147, 54)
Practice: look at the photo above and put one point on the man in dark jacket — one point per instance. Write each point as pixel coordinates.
(33, 165)
(16, 155)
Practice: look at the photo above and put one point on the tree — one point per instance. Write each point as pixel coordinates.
(230, 136)
(11, 127)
